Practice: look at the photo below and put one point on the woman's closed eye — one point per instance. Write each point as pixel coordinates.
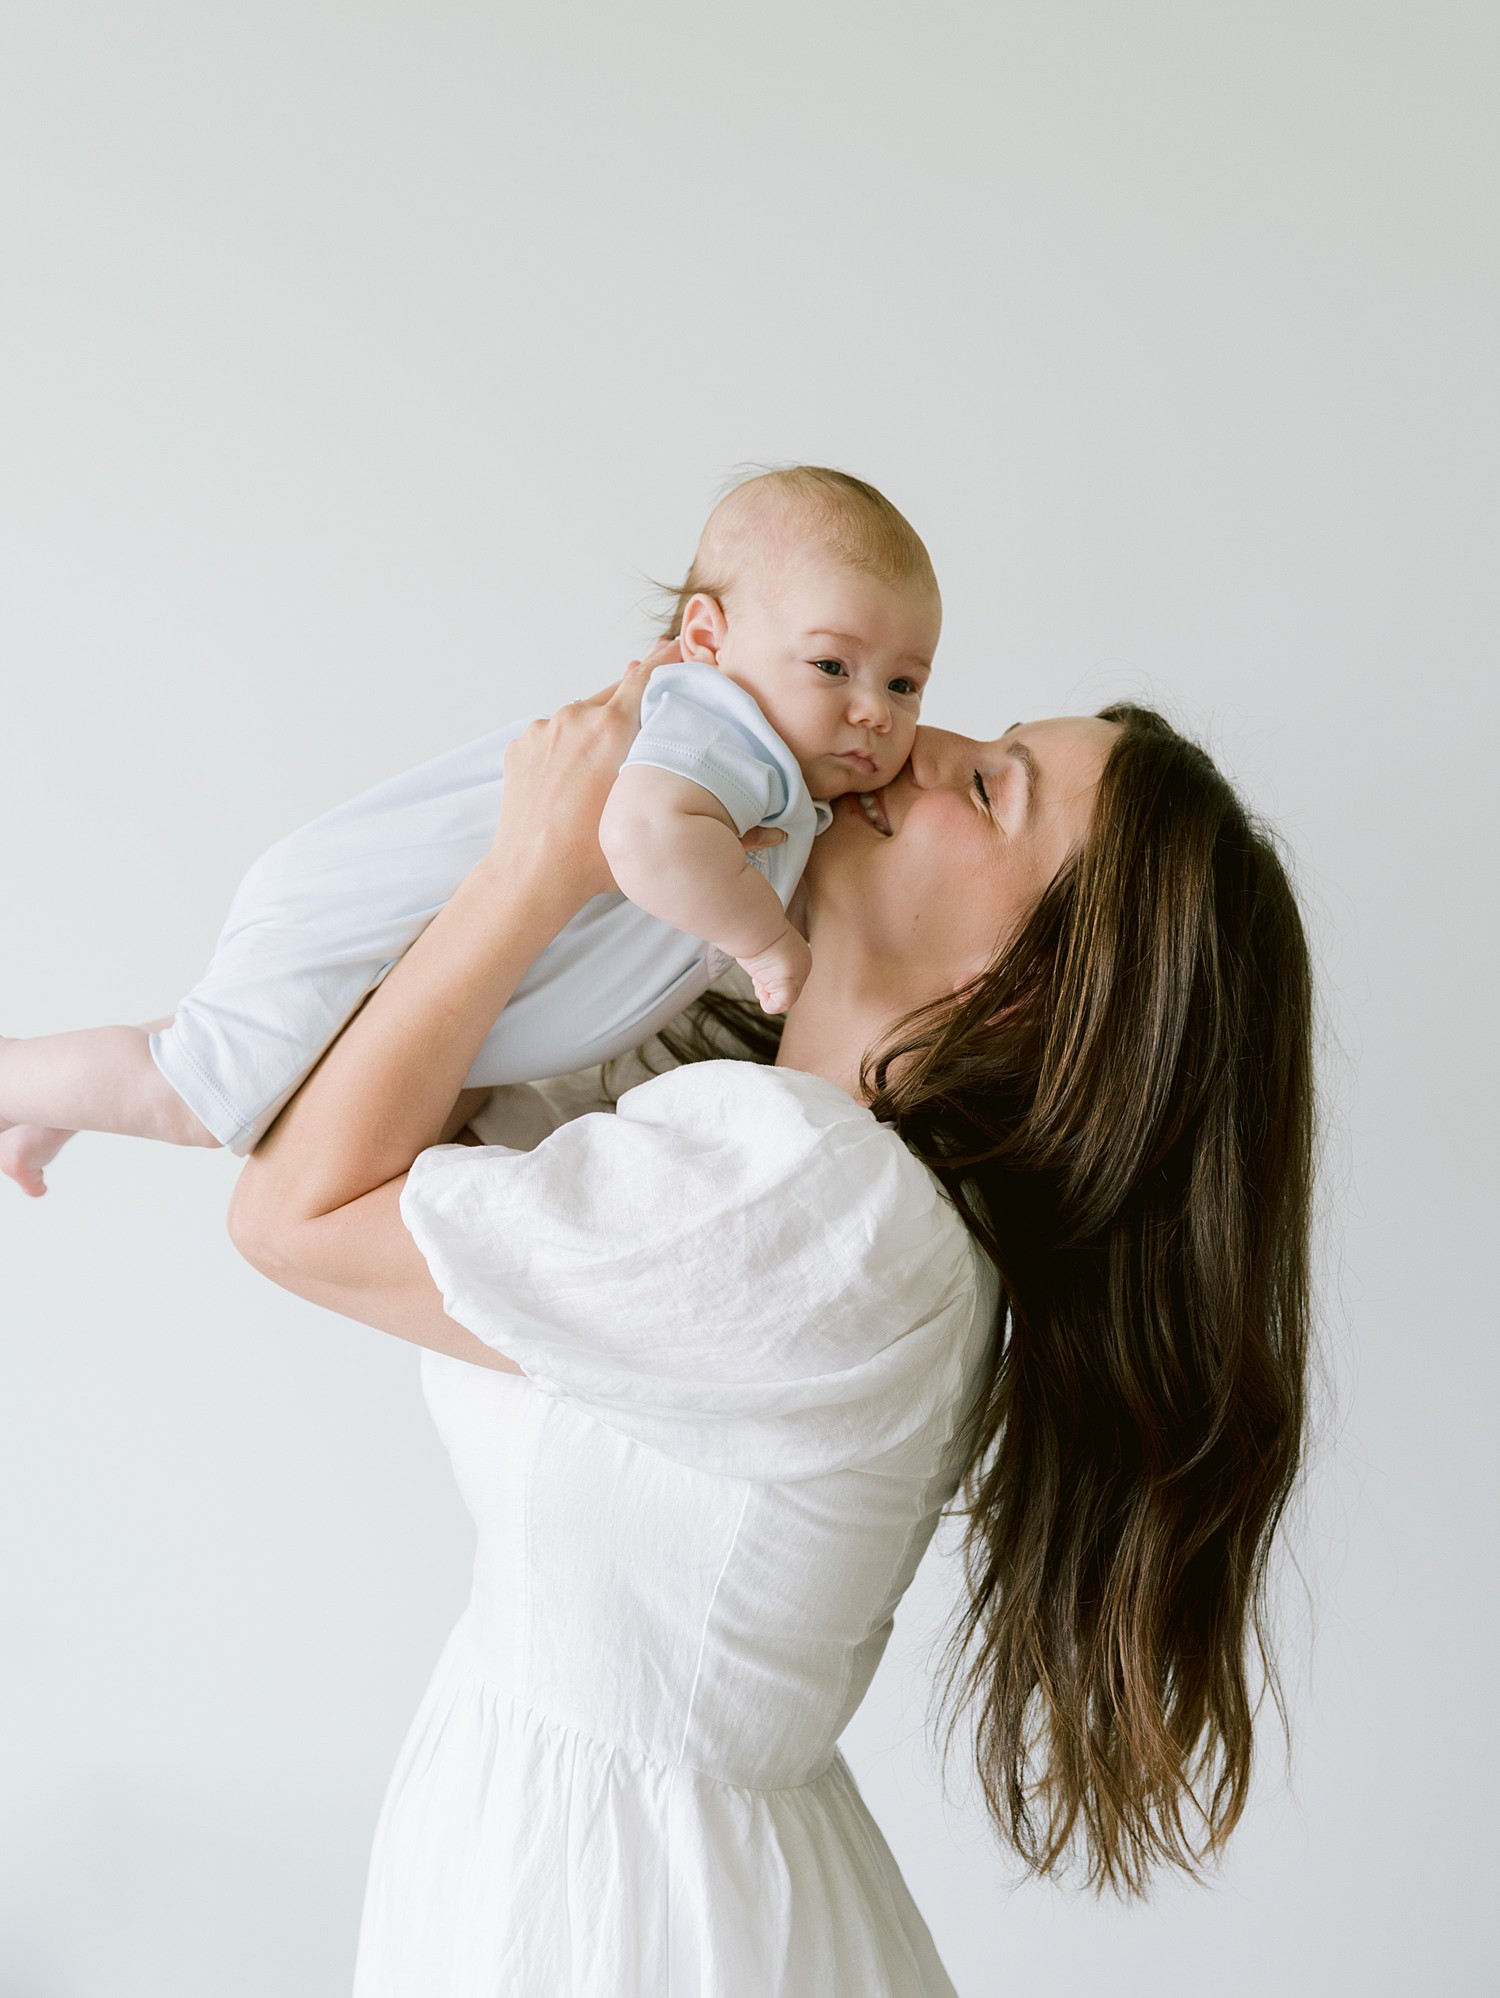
(979, 786)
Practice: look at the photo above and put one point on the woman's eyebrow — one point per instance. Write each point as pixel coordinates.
(1021, 752)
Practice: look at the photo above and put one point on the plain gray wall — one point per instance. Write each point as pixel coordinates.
(358, 363)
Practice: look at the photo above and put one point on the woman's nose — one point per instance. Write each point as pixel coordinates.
(939, 758)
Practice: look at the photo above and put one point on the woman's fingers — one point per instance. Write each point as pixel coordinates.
(665, 652)
(627, 689)
(559, 773)
(567, 762)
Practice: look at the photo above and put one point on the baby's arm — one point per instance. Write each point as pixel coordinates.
(676, 852)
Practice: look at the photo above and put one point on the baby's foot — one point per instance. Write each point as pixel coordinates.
(779, 972)
(24, 1150)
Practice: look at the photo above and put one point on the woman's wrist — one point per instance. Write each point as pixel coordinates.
(384, 1090)
(526, 893)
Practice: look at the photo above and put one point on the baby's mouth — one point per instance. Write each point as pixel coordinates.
(874, 810)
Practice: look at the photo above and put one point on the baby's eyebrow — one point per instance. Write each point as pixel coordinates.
(853, 638)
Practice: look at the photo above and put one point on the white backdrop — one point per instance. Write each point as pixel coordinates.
(358, 364)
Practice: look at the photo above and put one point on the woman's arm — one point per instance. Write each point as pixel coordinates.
(317, 1207)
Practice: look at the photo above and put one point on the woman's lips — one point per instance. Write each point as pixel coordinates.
(872, 804)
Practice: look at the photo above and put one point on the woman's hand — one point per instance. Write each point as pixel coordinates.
(557, 777)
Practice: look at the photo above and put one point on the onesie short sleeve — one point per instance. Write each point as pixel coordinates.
(739, 1268)
(700, 725)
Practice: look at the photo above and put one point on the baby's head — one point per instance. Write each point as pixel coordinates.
(812, 593)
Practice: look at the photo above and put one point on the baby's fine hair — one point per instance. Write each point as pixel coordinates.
(773, 512)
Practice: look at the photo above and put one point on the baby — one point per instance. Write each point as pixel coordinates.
(807, 626)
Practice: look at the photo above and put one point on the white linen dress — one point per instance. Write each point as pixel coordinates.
(750, 1322)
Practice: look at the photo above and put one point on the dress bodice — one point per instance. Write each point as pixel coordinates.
(726, 1624)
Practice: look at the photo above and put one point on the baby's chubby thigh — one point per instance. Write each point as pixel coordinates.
(389, 858)
(315, 924)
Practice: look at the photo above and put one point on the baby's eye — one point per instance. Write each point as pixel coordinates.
(829, 666)
(905, 686)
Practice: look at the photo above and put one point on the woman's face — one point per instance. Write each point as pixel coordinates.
(917, 884)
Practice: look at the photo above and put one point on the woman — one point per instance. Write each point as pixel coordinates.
(1058, 1029)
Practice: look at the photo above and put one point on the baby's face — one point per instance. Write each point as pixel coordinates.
(837, 661)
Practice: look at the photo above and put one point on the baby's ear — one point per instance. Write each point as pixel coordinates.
(704, 628)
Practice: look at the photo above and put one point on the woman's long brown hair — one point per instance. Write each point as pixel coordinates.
(1121, 1108)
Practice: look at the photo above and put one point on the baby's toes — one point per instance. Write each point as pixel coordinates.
(27, 1177)
(18, 1163)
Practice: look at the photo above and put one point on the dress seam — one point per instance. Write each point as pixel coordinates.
(472, 1667)
(708, 1614)
(687, 1717)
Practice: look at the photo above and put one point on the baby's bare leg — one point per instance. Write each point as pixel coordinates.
(98, 1079)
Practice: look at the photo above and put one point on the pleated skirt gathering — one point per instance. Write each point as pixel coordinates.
(515, 1857)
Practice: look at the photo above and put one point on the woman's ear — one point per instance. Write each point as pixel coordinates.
(703, 630)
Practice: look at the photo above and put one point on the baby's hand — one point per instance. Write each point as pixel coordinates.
(779, 972)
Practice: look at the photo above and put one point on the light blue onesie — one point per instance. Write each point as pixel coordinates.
(323, 915)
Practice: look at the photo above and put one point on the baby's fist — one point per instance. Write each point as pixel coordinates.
(779, 972)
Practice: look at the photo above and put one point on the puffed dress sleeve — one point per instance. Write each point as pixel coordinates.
(740, 1268)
